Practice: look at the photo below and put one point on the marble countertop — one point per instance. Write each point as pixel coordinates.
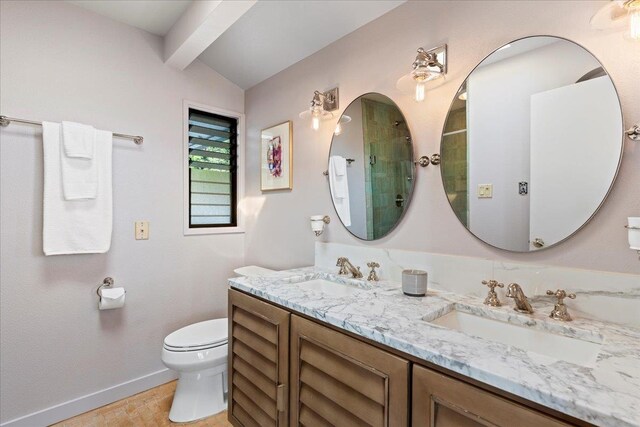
(605, 393)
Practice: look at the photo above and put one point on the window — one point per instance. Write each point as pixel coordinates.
(211, 172)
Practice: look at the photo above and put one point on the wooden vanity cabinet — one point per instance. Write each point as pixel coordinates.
(441, 401)
(337, 380)
(258, 363)
(285, 369)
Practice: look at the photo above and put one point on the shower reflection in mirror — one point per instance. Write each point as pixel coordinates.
(371, 170)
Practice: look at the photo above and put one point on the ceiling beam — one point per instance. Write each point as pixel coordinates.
(199, 26)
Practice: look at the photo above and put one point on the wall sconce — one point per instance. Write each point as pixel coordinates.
(344, 119)
(318, 222)
(618, 13)
(429, 65)
(322, 105)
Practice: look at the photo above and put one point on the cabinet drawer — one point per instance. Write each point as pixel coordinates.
(338, 380)
(442, 401)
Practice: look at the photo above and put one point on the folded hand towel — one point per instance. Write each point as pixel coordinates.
(78, 140)
(75, 226)
(339, 186)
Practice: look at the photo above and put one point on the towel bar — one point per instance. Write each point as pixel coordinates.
(4, 121)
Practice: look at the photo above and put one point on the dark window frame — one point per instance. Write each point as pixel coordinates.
(233, 168)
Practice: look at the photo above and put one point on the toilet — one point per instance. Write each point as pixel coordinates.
(198, 353)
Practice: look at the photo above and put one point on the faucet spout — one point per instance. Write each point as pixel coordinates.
(345, 266)
(522, 303)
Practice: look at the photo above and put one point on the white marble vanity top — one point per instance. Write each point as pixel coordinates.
(606, 393)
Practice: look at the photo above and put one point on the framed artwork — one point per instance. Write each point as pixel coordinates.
(276, 157)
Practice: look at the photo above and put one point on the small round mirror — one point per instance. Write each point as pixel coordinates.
(532, 144)
(371, 170)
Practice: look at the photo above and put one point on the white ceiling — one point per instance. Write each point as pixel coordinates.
(154, 16)
(271, 36)
(275, 34)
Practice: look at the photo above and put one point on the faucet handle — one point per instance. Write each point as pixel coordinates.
(492, 284)
(559, 311)
(340, 263)
(373, 276)
(561, 294)
(492, 297)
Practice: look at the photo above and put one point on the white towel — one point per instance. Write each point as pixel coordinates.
(79, 170)
(78, 140)
(75, 226)
(339, 185)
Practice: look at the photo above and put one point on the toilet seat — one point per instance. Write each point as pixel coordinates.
(198, 336)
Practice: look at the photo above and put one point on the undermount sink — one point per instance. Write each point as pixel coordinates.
(572, 350)
(326, 286)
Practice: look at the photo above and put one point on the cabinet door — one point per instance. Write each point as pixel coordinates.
(258, 362)
(441, 401)
(337, 380)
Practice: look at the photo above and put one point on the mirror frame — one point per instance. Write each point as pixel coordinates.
(613, 179)
(413, 168)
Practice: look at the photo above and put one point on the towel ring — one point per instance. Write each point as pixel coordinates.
(108, 281)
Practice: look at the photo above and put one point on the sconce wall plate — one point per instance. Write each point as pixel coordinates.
(330, 100)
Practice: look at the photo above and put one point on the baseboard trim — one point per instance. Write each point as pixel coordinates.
(92, 401)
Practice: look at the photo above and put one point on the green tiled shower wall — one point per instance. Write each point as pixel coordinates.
(454, 160)
(389, 170)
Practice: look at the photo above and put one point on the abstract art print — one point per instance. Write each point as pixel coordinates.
(276, 157)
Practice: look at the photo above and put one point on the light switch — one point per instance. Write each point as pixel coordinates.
(485, 191)
(142, 230)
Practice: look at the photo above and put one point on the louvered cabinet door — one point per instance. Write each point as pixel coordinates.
(339, 381)
(258, 362)
(442, 401)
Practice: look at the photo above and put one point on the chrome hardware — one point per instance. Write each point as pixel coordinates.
(538, 242)
(492, 297)
(522, 303)
(347, 268)
(633, 133)
(399, 200)
(423, 161)
(349, 161)
(107, 282)
(5, 121)
(373, 276)
(559, 311)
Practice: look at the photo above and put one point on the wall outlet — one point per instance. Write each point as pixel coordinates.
(142, 230)
(485, 191)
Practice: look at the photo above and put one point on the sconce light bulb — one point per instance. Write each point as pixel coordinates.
(315, 123)
(419, 91)
(634, 23)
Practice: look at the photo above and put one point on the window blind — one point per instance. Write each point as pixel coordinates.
(212, 170)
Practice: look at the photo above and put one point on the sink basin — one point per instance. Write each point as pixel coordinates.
(328, 287)
(572, 350)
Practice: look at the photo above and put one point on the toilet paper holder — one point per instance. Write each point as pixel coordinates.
(107, 282)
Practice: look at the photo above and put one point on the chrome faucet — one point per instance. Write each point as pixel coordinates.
(522, 303)
(346, 267)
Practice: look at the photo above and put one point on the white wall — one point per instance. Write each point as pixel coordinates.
(59, 61)
(499, 123)
(372, 59)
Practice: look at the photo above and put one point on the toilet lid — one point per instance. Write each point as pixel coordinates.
(199, 336)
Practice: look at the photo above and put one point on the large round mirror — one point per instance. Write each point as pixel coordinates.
(371, 170)
(532, 144)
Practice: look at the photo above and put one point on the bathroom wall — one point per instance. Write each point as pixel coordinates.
(61, 62)
(372, 59)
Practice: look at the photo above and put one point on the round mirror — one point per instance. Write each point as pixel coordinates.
(532, 144)
(371, 169)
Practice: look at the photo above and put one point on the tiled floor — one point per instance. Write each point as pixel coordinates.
(147, 409)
